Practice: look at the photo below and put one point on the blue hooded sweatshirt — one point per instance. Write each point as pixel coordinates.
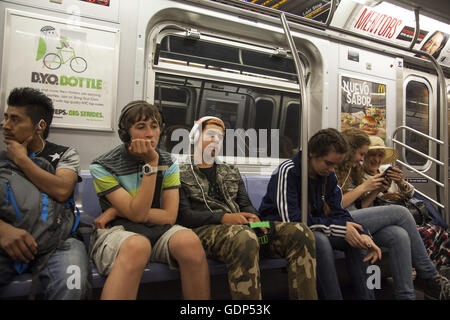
(282, 201)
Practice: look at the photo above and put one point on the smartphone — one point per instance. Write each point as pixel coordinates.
(386, 171)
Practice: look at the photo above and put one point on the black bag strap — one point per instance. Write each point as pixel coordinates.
(156, 203)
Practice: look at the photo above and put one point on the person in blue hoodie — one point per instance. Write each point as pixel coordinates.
(333, 226)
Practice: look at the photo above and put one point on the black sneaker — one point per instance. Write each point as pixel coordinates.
(437, 288)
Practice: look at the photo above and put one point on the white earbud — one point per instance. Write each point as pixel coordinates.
(40, 124)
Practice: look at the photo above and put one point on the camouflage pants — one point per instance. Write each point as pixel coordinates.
(237, 246)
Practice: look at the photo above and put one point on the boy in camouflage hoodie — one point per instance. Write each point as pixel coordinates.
(215, 204)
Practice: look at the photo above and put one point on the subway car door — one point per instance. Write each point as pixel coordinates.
(419, 113)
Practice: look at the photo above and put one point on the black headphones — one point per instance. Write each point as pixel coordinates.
(124, 135)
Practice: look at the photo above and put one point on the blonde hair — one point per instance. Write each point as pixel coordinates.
(356, 139)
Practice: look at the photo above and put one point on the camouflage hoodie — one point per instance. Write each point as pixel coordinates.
(228, 178)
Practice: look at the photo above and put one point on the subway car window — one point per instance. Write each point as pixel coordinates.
(417, 117)
(253, 112)
(246, 108)
(197, 51)
(289, 141)
(264, 111)
(285, 68)
(226, 58)
(173, 102)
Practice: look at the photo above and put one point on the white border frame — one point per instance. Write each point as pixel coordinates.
(9, 13)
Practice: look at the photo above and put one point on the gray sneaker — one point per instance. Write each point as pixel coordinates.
(437, 288)
(445, 271)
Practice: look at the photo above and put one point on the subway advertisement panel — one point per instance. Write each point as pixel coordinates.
(363, 106)
(72, 63)
(397, 25)
(312, 9)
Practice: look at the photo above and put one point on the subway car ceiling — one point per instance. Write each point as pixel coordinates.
(436, 9)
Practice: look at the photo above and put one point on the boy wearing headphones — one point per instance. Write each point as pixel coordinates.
(137, 186)
(215, 203)
(25, 129)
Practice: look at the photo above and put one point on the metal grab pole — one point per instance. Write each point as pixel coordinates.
(304, 117)
(417, 30)
(331, 13)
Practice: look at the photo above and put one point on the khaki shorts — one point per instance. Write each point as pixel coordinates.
(107, 242)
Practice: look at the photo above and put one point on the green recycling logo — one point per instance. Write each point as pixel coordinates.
(64, 54)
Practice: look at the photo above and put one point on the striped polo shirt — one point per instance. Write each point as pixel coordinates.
(119, 169)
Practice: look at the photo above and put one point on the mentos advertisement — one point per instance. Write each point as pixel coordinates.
(397, 25)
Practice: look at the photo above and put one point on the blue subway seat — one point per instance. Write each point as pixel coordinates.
(87, 202)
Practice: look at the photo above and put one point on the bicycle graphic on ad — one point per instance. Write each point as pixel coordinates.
(65, 54)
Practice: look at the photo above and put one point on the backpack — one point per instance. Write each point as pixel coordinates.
(419, 211)
(24, 206)
(416, 207)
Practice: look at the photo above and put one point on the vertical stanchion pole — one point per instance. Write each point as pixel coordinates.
(303, 117)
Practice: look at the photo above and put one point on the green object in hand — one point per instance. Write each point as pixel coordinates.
(263, 224)
(262, 238)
